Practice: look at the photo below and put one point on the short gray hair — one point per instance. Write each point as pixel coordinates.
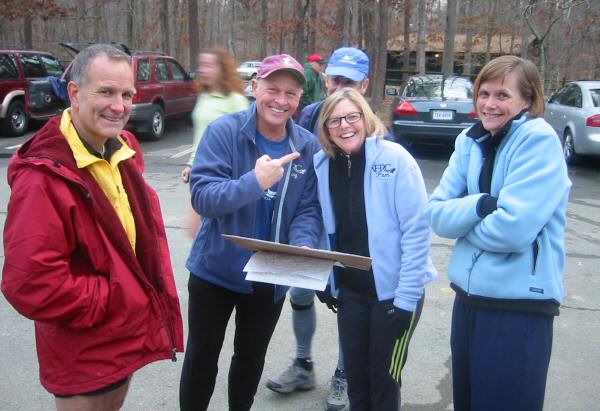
(81, 63)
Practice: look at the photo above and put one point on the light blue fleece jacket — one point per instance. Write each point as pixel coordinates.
(399, 236)
(517, 251)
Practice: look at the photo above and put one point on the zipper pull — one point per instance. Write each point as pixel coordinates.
(174, 355)
(349, 166)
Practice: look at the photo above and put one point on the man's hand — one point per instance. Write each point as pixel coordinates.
(269, 171)
(185, 174)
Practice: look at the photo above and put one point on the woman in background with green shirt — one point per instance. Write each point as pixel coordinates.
(220, 91)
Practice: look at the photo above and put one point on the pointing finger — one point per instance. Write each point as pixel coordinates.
(287, 158)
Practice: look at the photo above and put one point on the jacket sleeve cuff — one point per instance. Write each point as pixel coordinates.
(405, 305)
(486, 205)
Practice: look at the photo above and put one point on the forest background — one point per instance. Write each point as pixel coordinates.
(451, 36)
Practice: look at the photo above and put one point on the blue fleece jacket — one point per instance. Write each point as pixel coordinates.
(399, 236)
(225, 191)
(517, 251)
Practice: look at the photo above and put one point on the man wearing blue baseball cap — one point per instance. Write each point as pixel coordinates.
(347, 67)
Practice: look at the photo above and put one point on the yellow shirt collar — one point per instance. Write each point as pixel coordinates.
(82, 155)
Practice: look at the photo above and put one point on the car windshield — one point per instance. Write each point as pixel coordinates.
(595, 94)
(453, 88)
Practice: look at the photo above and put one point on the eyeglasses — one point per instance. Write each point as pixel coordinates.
(335, 122)
(343, 81)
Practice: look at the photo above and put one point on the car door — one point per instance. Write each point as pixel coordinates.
(184, 95)
(555, 110)
(163, 78)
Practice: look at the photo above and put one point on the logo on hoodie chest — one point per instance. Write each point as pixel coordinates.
(297, 170)
(383, 170)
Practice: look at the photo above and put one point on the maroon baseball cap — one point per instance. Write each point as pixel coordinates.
(316, 58)
(279, 62)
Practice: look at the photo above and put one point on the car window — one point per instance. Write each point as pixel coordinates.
(162, 72)
(572, 98)
(557, 97)
(595, 95)
(32, 66)
(8, 69)
(454, 88)
(177, 72)
(143, 70)
(52, 65)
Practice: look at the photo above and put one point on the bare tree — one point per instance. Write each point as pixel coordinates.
(421, 33)
(406, 52)
(193, 31)
(380, 56)
(451, 19)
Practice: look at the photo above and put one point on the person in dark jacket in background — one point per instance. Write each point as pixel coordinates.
(314, 89)
(504, 198)
(86, 254)
(253, 176)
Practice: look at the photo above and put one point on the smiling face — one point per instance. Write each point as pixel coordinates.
(102, 104)
(277, 98)
(498, 101)
(349, 137)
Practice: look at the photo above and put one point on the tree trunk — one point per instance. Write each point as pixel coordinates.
(130, 23)
(193, 32)
(406, 51)
(421, 35)
(299, 52)
(491, 22)
(28, 32)
(340, 17)
(355, 39)
(164, 25)
(468, 40)
(378, 85)
(265, 27)
(312, 25)
(448, 58)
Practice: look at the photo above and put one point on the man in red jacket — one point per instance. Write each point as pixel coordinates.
(86, 254)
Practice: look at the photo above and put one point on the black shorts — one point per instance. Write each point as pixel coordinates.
(99, 391)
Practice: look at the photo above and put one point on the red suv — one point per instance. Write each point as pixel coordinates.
(163, 89)
(25, 89)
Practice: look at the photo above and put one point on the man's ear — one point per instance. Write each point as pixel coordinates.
(364, 85)
(73, 91)
(254, 84)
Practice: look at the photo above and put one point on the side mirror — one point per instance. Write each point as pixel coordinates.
(391, 92)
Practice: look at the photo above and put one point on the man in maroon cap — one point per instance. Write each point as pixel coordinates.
(314, 89)
(253, 176)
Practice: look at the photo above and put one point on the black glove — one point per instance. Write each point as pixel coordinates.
(486, 205)
(403, 319)
(326, 298)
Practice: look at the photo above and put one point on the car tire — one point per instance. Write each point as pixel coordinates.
(156, 124)
(16, 121)
(253, 76)
(568, 144)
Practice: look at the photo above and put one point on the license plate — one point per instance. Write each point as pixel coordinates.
(445, 115)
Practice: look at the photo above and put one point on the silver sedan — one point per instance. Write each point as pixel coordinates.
(574, 112)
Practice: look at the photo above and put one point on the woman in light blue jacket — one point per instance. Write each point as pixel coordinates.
(504, 197)
(372, 196)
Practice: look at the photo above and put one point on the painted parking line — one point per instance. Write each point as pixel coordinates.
(13, 147)
(185, 152)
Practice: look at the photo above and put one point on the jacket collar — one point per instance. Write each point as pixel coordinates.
(478, 133)
(249, 128)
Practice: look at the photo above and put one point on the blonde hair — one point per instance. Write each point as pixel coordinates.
(373, 125)
(528, 79)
